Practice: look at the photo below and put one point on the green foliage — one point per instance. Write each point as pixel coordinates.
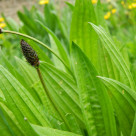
(43, 131)
(122, 95)
(95, 104)
(85, 37)
(85, 67)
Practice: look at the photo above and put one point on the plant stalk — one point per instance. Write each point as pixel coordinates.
(48, 95)
(37, 41)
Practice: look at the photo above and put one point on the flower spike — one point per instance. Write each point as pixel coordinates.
(29, 53)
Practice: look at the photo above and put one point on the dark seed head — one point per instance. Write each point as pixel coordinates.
(29, 53)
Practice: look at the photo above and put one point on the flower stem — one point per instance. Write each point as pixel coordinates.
(48, 95)
(38, 70)
(36, 40)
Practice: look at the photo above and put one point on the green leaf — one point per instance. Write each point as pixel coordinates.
(11, 121)
(106, 65)
(48, 108)
(100, 16)
(58, 64)
(28, 21)
(63, 90)
(124, 100)
(95, 103)
(70, 5)
(133, 132)
(45, 131)
(4, 123)
(60, 49)
(64, 82)
(21, 103)
(52, 20)
(115, 55)
(12, 69)
(11, 24)
(37, 91)
(30, 75)
(80, 33)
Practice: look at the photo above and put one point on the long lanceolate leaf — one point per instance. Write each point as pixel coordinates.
(4, 123)
(10, 121)
(95, 104)
(65, 82)
(55, 60)
(21, 103)
(61, 52)
(124, 101)
(133, 132)
(45, 131)
(115, 55)
(30, 76)
(106, 66)
(80, 33)
(64, 92)
(38, 93)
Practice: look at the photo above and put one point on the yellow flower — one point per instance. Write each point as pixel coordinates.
(107, 16)
(130, 7)
(94, 1)
(133, 5)
(122, 2)
(2, 25)
(42, 2)
(113, 11)
(1, 19)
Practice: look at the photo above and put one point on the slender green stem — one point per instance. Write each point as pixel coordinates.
(36, 40)
(43, 84)
(48, 95)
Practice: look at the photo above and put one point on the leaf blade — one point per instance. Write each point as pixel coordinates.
(42, 131)
(115, 55)
(90, 96)
(124, 100)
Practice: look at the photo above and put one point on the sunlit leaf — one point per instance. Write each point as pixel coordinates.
(95, 104)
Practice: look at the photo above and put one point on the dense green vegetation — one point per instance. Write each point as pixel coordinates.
(87, 59)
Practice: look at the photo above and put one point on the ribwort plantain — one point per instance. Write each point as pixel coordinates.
(29, 53)
(32, 58)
